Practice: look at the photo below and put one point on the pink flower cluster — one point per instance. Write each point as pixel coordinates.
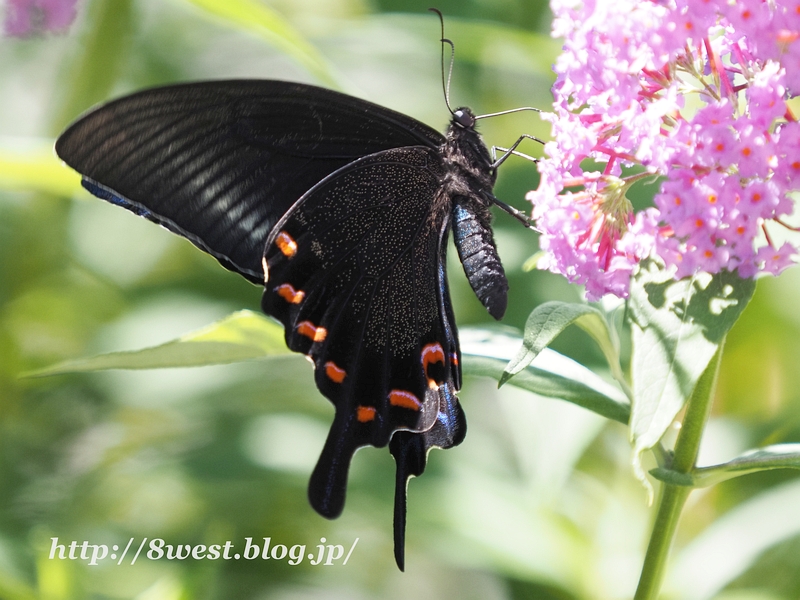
(686, 95)
(24, 17)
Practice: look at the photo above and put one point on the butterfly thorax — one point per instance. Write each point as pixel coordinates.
(469, 175)
(467, 192)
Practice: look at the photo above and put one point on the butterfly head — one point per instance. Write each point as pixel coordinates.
(464, 117)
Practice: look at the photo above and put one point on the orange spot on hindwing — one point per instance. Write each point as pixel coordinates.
(335, 373)
(286, 244)
(365, 414)
(404, 399)
(431, 353)
(288, 293)
(311, 331)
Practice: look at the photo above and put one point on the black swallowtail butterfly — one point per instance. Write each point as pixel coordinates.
(342, 210)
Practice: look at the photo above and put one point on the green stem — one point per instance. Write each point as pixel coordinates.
(673, 497)
(670, 505)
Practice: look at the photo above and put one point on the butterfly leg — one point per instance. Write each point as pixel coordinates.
(517, 214)
(496, 162)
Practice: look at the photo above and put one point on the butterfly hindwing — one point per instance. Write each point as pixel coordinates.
(355, 274)
(220, 162)
(409, 449)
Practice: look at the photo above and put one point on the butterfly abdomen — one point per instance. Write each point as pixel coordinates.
(476, 249)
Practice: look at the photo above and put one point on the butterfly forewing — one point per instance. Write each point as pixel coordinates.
(353, 274)
(220, 162)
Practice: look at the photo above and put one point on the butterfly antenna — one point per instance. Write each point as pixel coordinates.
(446, 80)
(507, 112)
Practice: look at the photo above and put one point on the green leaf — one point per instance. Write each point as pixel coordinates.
(548, 320)
(673, 477)
(485, 352)
(532, 262)
(778, 456)
(35, 167)
(256, 16)
(244, 335)
(678, 326)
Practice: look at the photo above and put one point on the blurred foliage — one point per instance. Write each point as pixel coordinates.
(539, 502)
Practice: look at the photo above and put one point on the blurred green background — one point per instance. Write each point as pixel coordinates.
(538, 503)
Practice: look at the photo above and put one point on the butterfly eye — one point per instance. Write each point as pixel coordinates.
(464, 118)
